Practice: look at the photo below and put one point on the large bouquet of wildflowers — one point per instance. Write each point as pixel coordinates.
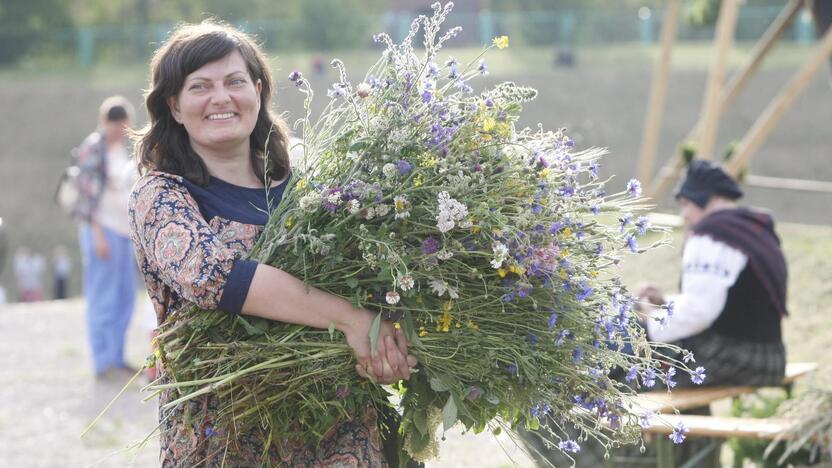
(493, 248)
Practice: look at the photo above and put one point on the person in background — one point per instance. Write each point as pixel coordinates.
(28, 270)
(107, 173)
(61, 268)
(733, 286)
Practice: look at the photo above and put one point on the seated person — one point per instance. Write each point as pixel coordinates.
(733, 286)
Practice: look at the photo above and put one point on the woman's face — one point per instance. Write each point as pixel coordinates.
(218, 105)
(115, 131)
(690, 212)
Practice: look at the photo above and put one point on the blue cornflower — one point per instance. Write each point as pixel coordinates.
(670, 306)
(562, 336)
(553, 319)
(632, 375)
(698, 375)
(669, 377)
(649, 378)
(483, 69)
(576, 355)
(433, 69)
(632, 243)
(598, 249)
(209, 431)
(427, 95)
(593, 169)
(624, 221)
(403, 166)
(687, 357)
(489, 102)
(645, 420)
(585, 293)
(508, 297)
(634, 188)
(679, 431)
(595, 209)
(569, 446)
(642, 225)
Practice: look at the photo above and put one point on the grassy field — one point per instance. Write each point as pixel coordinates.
(601, 102)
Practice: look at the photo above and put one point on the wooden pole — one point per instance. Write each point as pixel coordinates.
(658, 93)
(661, 182)
(725, 27)
(778, 106)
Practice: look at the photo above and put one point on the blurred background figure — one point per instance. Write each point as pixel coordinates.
(106, 176)
(61, 268)
(28, 270)
(4, 248)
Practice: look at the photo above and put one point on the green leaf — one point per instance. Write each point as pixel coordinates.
(420, 420)
(352, 282)
(358, 145)
(438, 385)
(449, 413)
(374, 330)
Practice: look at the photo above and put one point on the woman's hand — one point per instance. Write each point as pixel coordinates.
(390, 362)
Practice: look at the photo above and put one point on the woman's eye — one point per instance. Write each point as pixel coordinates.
(197, 86)
(237, 81)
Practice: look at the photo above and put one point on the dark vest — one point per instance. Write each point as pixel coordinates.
(757, 300)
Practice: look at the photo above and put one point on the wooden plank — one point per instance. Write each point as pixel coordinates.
(788, 184)
(725, 27)
(758, 133)
(670, 171)
(658, 93)
(717, 426)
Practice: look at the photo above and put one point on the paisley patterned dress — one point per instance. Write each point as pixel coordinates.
(189, 242)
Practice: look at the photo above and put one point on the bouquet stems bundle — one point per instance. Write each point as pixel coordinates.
(493, 248)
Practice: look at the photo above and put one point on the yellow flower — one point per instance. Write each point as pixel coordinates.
(502, 272)
(594, 273)
(567, 232)
(422, 331)
(445, 323)
(488, 125)
(290, 222)
(517, 269)
(302, 183)
(501, 42)
(544, 172)
(473, 325)
(428, 161)
(397, 326)
(562, 273)
(417, 181)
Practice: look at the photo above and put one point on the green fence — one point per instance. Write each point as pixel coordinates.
(566, 28)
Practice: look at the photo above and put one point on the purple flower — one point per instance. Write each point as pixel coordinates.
(489, 102)
(209, 431)
(698, 375)
(584, 294)
(403, 166)
(645, 421)
(649, 378)
(562, 336)
(642, 225)
(595, 209)
(598, 249)
(342, 392)
(553, 319)
(624, 221)
(433, 69)
(569, 446)
(295, 77)
(670, 307)
(576, 355)
(632, 243)
(482, 68)
(634, 188)
(679, 431)
(427, 95)
(533, 339)
(632, 375)
(669, 377)
(593, 169)
(430, 245)
(687, 356)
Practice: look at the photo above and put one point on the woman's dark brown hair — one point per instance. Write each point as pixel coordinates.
(163, 145)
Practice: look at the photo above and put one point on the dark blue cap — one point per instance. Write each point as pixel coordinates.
(704, 179)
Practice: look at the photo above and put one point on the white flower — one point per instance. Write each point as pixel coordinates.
(444, 254)
(401, 205)
(353, 206)
(370, 213)
(500, 254)
(392, 297)
(363, 89)
(389, 170)
(334, 198)
(311, 201)
(382, 210)
(440, 287)
(450, 211)
(406, 282)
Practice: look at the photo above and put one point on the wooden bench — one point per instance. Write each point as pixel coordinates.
(710, 426)
(690, 398)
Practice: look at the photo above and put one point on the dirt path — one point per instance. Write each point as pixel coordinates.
(49, 395)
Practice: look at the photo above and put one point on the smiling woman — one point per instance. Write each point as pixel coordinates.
(210, 152)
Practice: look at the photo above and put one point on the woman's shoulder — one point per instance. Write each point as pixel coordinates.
(154, 182)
